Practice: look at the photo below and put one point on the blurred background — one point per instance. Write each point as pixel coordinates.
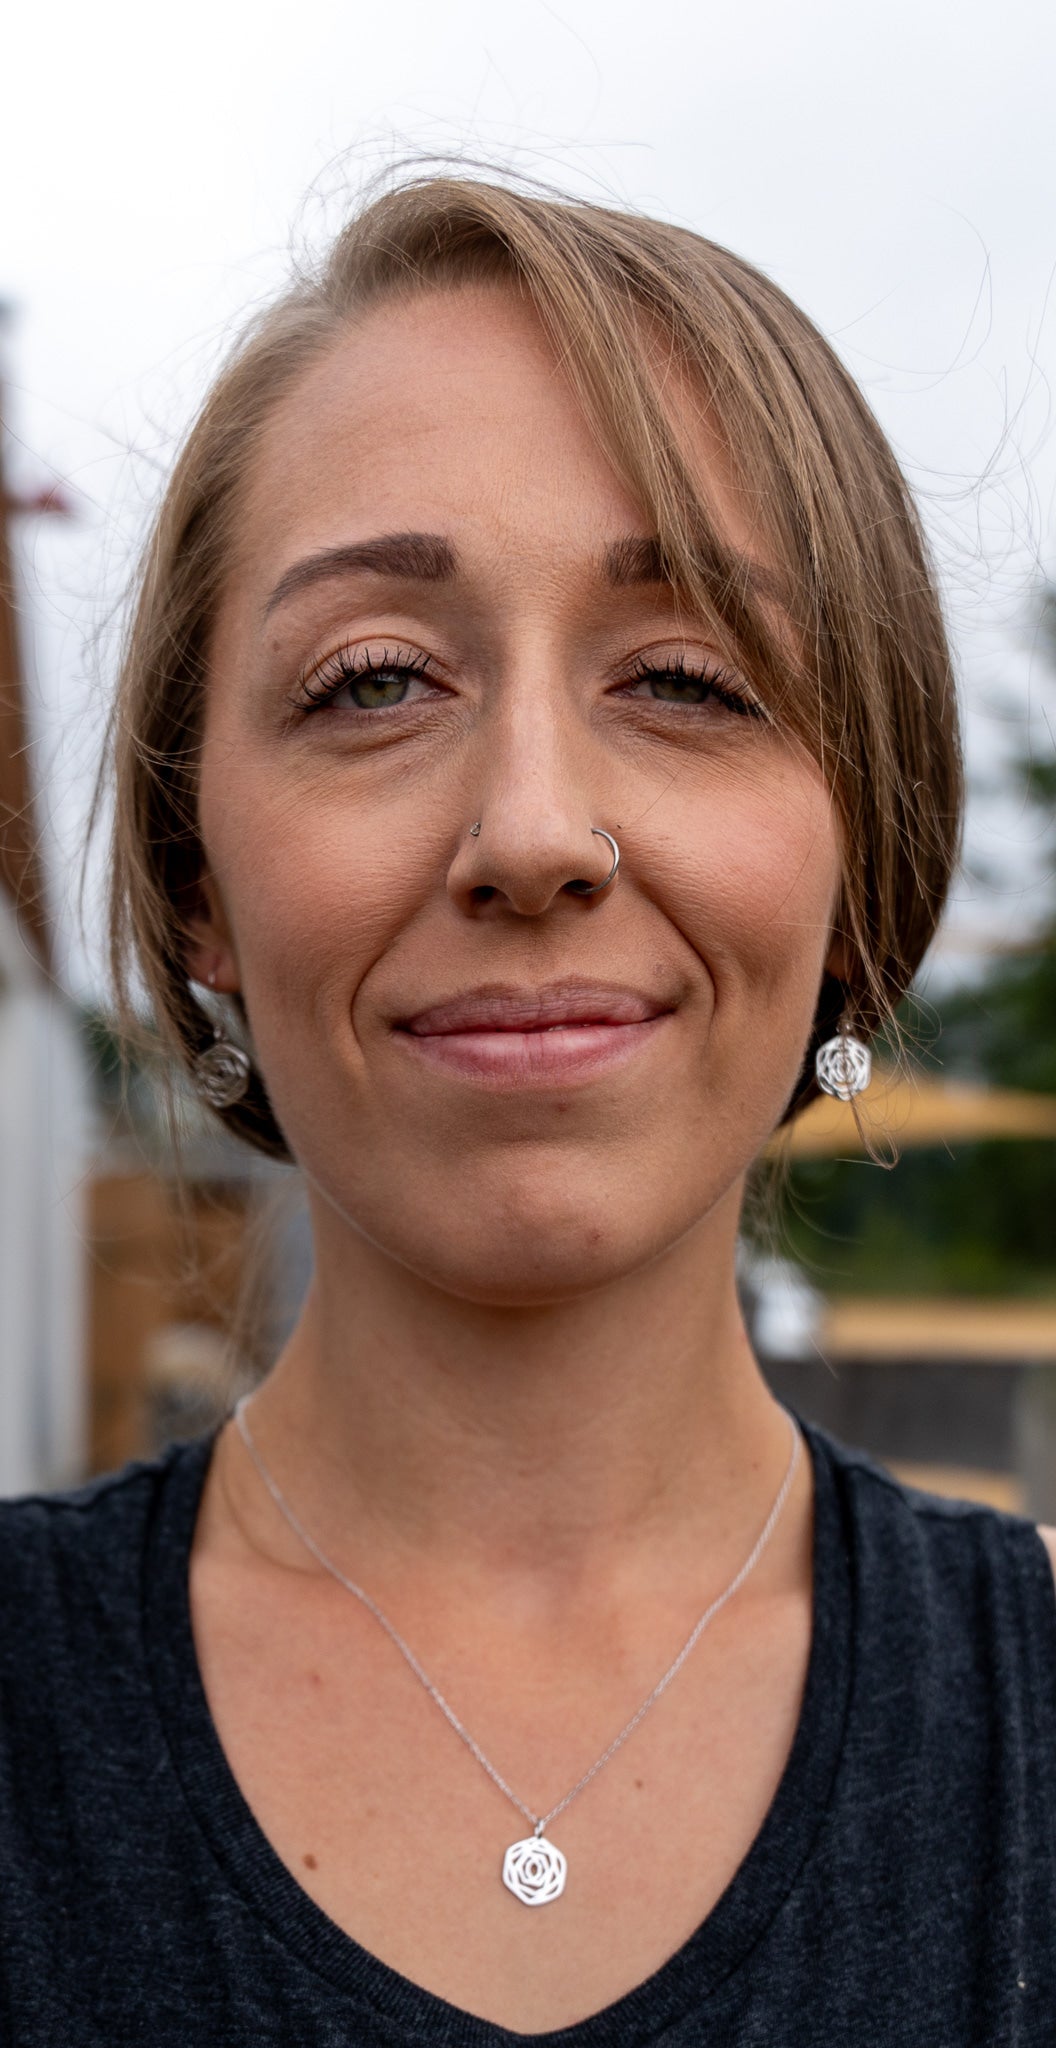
(894, 168)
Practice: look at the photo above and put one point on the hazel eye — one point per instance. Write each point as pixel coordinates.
(675, 682)
(681, 689)
(361, 680)
(371, 689)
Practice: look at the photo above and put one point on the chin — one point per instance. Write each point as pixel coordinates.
(514, 1280)
(524, 1228)
(520, 1253)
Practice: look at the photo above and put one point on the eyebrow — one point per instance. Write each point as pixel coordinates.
(642, 560)
(639, 559)
(419, 557)
(429, 558)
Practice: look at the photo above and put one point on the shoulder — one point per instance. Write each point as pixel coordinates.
(70, 1560)
(76, 1512)
(1048, 1537)
(960, 1556)
(953, 1612)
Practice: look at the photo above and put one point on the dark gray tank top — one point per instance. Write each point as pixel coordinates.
(900, 1894)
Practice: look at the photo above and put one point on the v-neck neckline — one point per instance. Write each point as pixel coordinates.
(252, 1867)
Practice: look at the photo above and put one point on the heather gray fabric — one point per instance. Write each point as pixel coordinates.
(902, 1889)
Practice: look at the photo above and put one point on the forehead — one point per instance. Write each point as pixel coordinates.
(449, 411)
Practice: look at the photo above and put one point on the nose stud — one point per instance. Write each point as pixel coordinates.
(474, 830)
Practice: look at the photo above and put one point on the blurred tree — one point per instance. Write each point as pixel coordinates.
(1004, 1031)
(978, 1221)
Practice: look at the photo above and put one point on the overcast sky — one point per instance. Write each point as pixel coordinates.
(892, 166)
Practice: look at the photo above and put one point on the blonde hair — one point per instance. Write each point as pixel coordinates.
(627, 303)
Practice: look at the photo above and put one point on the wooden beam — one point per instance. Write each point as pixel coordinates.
(911, 1111)
(885, 1327)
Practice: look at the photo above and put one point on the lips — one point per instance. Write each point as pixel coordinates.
(565, 1034)
(561, 1005)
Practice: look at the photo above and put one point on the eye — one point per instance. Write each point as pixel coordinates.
(676, 679)
(372, 679)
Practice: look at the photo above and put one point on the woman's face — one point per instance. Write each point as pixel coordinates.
(443, 610)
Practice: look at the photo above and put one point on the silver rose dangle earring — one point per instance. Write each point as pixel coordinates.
(222, 1071)
(843, 1065)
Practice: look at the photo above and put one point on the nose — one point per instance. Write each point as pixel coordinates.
(532, 833)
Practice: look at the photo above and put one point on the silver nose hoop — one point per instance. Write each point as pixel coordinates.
(580, 888)
(595, 888)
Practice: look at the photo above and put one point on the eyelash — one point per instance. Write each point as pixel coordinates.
(723, 684)
(340, 669)
(316, 689)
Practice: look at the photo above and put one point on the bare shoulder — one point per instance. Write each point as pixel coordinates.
(1048, 1537)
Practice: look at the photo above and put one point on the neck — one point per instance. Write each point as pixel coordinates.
(547, 1440)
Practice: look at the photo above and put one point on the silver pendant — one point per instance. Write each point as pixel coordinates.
(534, 1871)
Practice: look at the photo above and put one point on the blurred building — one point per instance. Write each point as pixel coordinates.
(43, 1098)
(955, 1391)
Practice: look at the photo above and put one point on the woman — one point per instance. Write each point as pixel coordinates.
(537, 733)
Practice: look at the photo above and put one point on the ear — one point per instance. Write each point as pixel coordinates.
(210, 950)
(840, 959)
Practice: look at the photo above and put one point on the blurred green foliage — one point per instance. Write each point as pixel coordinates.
(978, 1219)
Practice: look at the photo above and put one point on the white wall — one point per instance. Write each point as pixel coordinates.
(43, 1131)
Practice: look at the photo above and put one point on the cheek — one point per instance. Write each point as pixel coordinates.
(314, 893)
(757, 881)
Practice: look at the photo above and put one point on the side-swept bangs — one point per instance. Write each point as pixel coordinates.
(839, 626)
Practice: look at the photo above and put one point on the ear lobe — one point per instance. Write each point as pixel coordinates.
(839, 961)
(210, 951)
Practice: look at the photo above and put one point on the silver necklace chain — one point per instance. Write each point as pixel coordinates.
(539, 1822)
